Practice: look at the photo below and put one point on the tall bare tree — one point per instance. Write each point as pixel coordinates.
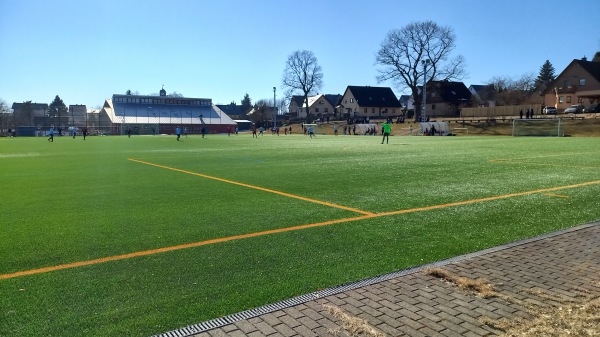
(302, 73)
(403, 53)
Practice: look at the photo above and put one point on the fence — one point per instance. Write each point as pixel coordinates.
(497, 111)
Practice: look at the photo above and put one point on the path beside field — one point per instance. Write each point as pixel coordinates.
(558, 273)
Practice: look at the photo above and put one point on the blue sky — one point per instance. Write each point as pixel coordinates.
(85, 51)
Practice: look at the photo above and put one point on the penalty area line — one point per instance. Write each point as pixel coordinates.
(325, 203)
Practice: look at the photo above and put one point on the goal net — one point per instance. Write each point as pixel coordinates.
(538, 127)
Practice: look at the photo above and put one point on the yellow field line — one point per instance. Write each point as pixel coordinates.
(498, 197)
(524, 160)
(255, 187)
(515, 161)
(178, 247)
(281, 230)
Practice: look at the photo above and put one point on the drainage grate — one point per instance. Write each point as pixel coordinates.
(268, 308)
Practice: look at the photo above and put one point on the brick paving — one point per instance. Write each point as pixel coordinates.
(565, 264)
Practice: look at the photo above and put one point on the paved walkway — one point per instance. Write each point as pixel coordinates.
(563, 265)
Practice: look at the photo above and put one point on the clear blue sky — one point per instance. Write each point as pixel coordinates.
(85, 51)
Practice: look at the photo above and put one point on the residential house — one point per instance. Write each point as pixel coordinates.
(445, 98)
(483, 95)
(578, 83)
(407, 102)
(32, 115)
(232, 110)
(321, 105)
(296, 105)
(371, 102)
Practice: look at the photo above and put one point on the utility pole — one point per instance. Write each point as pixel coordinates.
(424, 110)
(275, 108)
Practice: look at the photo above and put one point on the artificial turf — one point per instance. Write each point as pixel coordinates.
(75, 200)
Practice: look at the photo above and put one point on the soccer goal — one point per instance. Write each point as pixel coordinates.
(539, 127)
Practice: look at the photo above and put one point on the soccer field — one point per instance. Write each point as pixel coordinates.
(117, 236)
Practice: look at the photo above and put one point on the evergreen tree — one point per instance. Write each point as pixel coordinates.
(546, 74)
(57, 110)
(246, 103)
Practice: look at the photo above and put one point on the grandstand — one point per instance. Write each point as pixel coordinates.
(161, 115)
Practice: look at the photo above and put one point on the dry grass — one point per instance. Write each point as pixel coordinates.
(562, 316)
(352, 325)
(574, 319)
(480, 286)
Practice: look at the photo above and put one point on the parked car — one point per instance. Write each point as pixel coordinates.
(573, 109)
(592, 108)
(549, 110)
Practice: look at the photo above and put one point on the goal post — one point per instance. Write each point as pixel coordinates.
(538, 127)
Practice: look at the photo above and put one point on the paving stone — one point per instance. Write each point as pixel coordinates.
(416, 304)
(308, 322)
(218, 333)
(304, 331)
(285, 330)
(265, 328)
(294, 312)
(245, 326)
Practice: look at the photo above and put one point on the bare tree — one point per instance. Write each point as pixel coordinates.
(302, 73)
(5, 116)
(511, 91)
(175, 94)
(404, 52)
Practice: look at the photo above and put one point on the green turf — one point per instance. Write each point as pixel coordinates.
(75, 200)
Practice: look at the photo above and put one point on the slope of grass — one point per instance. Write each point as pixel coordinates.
(74, 201)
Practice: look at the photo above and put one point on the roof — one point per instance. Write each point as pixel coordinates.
(404, 99)
(593, 68)
(232, 109)
(485, 92)
(299, 100)
(374, 96)
(334, 99)
(17, 106)
(133, 113)
(446, 91)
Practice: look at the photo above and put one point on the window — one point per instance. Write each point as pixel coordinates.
(568, 99)
(351, 100)
(582, 82)
(561, 99)
(316, 109)
(326, 110)
(433, 107)
(321, 102)
(372, 110)
(365, 110)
